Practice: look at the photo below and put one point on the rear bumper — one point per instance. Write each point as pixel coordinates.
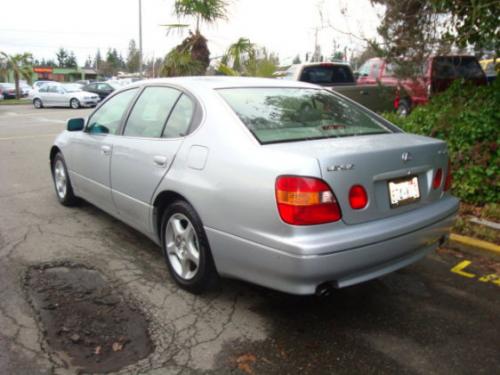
(302, 274)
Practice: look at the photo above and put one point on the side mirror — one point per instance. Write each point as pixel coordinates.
(356, 75)
(75, 124)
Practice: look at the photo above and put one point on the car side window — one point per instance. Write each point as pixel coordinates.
(43, 89)
(103, 86)
(108, 117)
(151, 111)
(375, 72)
(180, 118)
(53, 89)
(389, 70)
(365, 69)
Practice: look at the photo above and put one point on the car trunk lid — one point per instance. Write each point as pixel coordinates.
(373, 161)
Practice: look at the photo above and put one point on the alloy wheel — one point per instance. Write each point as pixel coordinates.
(182, 246)
(60, 179)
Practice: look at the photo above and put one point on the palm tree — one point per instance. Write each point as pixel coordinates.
(208, 11)
(247, 60)
(4, 72)
(21, 65)
(242, 49)
(179, 63)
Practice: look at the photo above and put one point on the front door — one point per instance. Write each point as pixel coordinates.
(93, 149)
(144, 153)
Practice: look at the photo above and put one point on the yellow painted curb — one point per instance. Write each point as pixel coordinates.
(477, 244)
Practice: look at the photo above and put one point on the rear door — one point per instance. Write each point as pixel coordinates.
(142, 156)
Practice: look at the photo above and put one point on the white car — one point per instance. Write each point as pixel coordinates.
(64, 95)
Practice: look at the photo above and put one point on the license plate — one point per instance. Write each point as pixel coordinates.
(403, 191)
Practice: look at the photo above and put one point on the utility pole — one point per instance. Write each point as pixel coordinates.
(140, 38)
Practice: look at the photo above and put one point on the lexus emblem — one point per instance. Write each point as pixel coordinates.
(406, 156)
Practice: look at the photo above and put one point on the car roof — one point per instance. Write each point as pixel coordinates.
(218, 82)
(321, 63)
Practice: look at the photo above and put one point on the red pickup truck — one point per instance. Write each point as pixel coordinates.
(437, 75)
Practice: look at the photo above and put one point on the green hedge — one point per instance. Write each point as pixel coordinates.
(468, 119)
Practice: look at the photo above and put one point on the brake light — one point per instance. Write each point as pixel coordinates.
(447, 182)
(306, 201)
(358, 198)
(436, 183)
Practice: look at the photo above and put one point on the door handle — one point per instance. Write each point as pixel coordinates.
(160, 160)
(363, 92)
(106, 150)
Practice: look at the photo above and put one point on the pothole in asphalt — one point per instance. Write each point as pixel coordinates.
(86, 321)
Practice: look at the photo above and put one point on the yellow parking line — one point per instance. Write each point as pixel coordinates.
(28, 136)
(459, 269)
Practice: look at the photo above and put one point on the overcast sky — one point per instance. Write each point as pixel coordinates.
(283, 26)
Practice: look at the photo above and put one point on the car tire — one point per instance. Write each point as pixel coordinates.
(186, 249)
(62, 182)
(37, 103)
(404, 108)
(74, 103)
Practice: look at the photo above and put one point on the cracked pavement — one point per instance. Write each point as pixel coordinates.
(422, 319)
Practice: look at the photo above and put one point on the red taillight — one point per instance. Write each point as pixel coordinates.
(306, 201)
(438, 177)
(396, 102)
(447, 182)
(358, 198)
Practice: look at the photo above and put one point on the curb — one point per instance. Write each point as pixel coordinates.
(474, 244)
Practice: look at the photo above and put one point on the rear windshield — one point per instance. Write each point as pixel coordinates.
(327, 74)
(456, 67)
(279, 114)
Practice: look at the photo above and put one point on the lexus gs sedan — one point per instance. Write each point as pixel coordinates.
(282, 184)
(63, 95)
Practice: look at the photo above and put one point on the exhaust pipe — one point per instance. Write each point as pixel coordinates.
(324, 290)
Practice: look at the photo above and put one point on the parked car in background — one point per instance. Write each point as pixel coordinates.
(284, 184)
(340, 78)
(103, 89)
(26, 89)
(83, 82)
(64, 95)
(437, 75)
(491, 68)
(38, 84)
(8, 90)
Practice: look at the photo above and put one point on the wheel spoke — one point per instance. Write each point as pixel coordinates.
(177, 227)
(188, 233)
(184, 261)
(171, 248)
(192, 253)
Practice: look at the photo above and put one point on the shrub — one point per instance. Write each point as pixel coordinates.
(468, 119)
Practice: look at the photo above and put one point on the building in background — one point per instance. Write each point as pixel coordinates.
(63, 74)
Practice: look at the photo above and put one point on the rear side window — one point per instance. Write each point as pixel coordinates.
(108, 117)
(327, 74)
(278, 114)
(180, 118)
(452, 67)
(150, 112)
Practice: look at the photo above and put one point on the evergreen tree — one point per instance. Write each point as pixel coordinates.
(133, 58)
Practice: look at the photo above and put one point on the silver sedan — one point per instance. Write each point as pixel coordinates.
(63, 95)
(282, 184)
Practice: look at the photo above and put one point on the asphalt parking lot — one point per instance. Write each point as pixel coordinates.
(439, 316)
